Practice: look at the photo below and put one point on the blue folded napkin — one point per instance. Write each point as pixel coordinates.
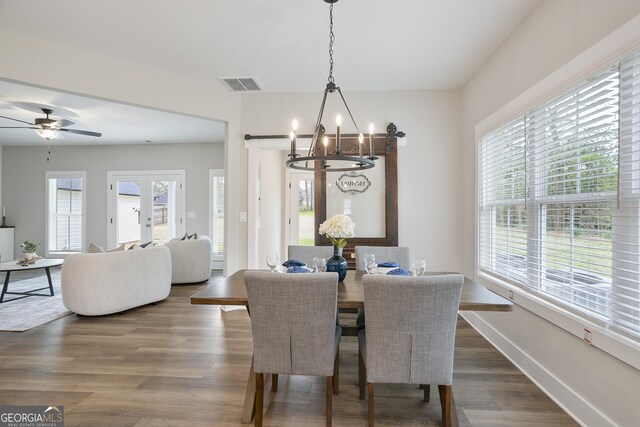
(293, 263)
(388, 264)
(398, 272)
(297, 269)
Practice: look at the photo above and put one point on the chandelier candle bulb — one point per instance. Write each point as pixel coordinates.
(360, 141)
(294, 135)
(338, 123)
(325, 142)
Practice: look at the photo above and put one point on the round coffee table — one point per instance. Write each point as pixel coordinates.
(10, 266)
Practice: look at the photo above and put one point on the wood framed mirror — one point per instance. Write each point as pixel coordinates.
(374, 209)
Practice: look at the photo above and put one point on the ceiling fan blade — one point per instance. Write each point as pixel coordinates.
(18, 127)
(63, 123)
(81, 132)
(16, 120)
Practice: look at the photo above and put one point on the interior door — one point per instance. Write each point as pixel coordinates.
(145, 207)
(302, 227)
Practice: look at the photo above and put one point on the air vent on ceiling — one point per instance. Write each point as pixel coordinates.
(241, 84)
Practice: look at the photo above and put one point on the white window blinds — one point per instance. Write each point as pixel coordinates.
(503, 245)
(572, 159)
(65, 226)
(218, 216)
(625, 301)
(558, 194)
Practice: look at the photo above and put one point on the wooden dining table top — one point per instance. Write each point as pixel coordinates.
(231, 291)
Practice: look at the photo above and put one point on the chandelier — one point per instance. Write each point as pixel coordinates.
(333, 158)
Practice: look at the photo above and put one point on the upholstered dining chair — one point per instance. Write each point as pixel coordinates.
(401, 255)
(398, 254)
(306, 254)
(294, 329)
(410, 335)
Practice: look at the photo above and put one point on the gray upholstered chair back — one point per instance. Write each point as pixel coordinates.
(306, 254)
(293, 322)
(411, 327)
(398, 254)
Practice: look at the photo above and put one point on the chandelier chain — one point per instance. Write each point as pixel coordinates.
(331, 40)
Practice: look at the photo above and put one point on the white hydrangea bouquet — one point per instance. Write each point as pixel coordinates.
(337, 229)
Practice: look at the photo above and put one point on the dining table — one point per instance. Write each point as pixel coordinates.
(231, 290)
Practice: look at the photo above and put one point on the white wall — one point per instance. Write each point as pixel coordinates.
(428, 166)
(271, 205)
(593, 386)
(24, 181)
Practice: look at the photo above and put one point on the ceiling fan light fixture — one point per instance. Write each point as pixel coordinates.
(48, 133)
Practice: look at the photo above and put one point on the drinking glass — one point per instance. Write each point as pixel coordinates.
(418, 267)
(370, 263)
(319, 265)
(272, 260)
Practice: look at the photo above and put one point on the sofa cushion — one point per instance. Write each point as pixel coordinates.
(118, 249)
(95, 249)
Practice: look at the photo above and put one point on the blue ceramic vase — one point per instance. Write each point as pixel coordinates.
(337, 263)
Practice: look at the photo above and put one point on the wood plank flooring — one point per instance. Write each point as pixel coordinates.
(176, 364)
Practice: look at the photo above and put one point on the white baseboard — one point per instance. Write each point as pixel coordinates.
(567, 398)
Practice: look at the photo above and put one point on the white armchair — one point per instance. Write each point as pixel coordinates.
(190, 260)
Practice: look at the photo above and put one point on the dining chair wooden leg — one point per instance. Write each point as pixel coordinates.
(259, 398)
(426, 388)
(362, 374)
(329, 414)
(336, 373)
(446, 394)
(274, 382)
(370, 414)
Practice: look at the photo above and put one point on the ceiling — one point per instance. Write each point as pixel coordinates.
(118, 123)
(380, 45)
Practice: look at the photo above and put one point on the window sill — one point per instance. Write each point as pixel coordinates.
(603, 338)
(60, 254)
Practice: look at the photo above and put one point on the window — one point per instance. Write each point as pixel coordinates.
(558, 198)
(65, 212)
(216, 180)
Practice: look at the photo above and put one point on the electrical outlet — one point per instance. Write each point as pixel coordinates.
(587, 336)
(511, 295)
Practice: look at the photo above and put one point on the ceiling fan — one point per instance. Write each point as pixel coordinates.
(49, 128)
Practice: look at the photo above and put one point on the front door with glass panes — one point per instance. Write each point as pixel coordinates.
(145, 207)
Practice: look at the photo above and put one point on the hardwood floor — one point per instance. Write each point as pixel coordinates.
(177, 364)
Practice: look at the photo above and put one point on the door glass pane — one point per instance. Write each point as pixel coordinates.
(164, 211)
(306, 226)
(128, 210)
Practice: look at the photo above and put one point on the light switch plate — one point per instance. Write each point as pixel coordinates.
(243, 217)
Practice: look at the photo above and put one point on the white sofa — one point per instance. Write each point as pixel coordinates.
(190, 259)
(95, 284)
